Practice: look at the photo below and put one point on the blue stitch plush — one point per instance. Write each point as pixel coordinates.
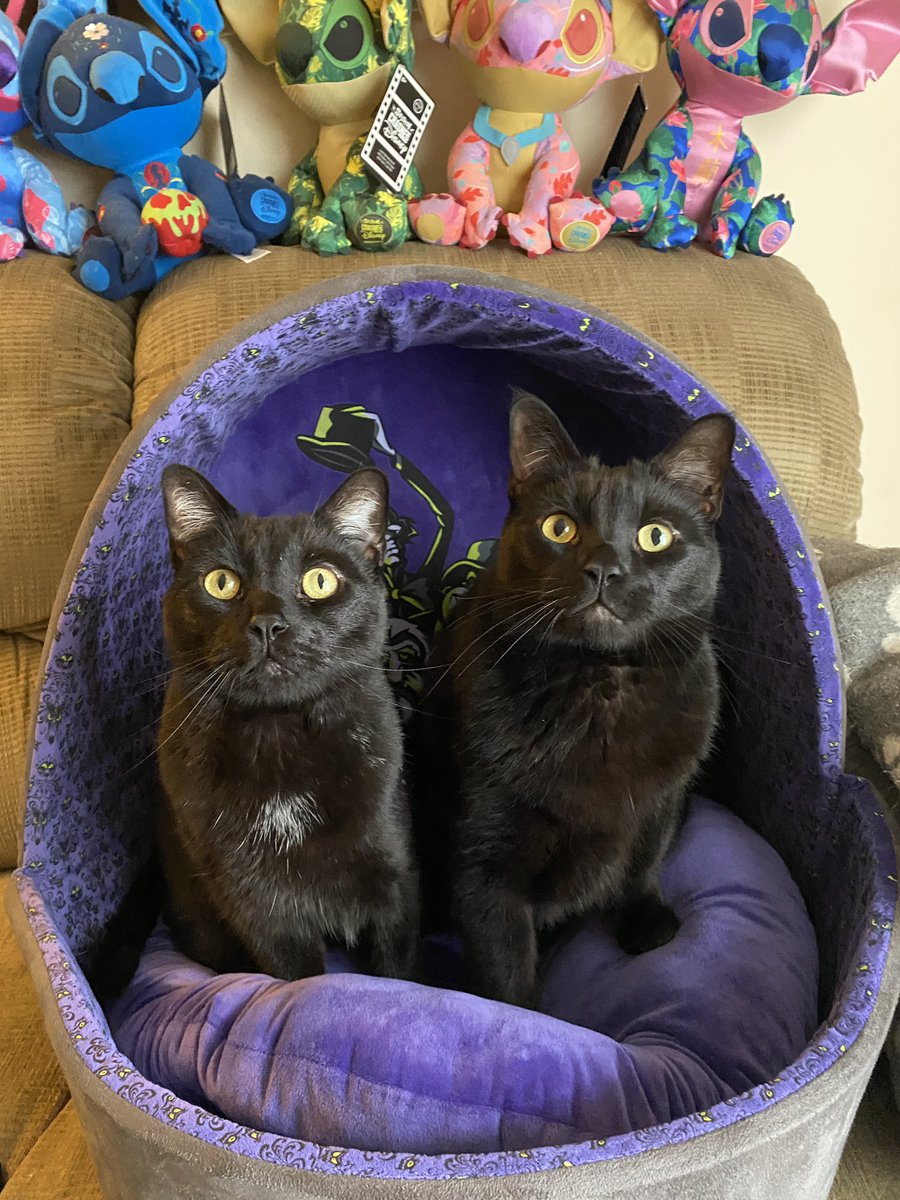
(112, 93)
(32, 207)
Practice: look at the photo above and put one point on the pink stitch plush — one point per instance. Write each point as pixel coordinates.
(514, 165)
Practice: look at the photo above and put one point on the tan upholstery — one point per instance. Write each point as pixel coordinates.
(20, 658)
(754, 329)
(58, 1166)
(32, 1088)
(65, 384)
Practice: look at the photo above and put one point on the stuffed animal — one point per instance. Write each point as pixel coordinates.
(334, 60)
(528, 61)
(699, 174)
(115, 94)
(32, 207)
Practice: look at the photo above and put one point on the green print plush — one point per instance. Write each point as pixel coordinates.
(334, 59)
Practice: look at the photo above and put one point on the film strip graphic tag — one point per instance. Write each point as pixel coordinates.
(397, 129)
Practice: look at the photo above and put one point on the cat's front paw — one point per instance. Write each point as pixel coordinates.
(645, 924)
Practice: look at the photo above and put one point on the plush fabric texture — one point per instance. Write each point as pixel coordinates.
(798, 398)
(626, 1043)
(285, 392)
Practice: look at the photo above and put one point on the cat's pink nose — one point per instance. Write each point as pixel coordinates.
(526, 30)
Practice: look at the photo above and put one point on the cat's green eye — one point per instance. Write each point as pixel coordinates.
(319, 583)
(222, 584)
(655, 537)
(559, 528)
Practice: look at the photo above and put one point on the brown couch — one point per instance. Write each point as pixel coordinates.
(76, 372)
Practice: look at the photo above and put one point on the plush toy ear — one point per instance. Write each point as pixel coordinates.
(858, 47)
(255, 23)
(396, 29)
(195, 26)
(42, 36)
(438, 17)
(636, 35)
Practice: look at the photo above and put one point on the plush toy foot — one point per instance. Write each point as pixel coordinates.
(579, 223)
(724, 233)
(229, 237)
(325, 237)
(99, 267)
(263, 207)
(480, 226)
(528, 233)
(437, 219)
(12, 243)
(376, 221)
(670, 233)
(769, 227)
(645, 924)
(632, 201)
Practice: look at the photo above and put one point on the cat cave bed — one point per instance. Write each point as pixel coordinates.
(702, 1071)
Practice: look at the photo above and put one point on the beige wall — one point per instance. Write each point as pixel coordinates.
(834, 158)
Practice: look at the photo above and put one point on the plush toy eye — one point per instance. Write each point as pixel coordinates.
(164, 65)
(559, 528)
(347, 37)
(478, 22)
(582, 36)
(319, 583)
(66, 94)
(8, 66)
(726, 24)
(222, 584)
(655, 537)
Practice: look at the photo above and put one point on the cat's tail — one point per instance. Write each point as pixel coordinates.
(114, 960)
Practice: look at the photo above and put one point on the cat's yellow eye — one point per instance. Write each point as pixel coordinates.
(222, 584)
(319, 583)
(559, 528)
(655, 537)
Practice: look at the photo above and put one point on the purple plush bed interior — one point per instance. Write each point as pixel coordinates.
(621, 1044)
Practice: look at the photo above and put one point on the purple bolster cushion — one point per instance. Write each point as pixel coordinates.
(622, 1043)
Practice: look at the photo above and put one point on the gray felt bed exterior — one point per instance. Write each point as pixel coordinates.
(788, 1150)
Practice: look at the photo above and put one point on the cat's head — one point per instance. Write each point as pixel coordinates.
(616, 554)
(277, 609)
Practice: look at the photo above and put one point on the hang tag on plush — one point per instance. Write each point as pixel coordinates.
(627, 135)
(397, 129)
(259, 252)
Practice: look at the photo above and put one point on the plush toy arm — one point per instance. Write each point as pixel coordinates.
(324, 230)
(734, 203)
(119, 218)
(50, 224)
(553, 177)
(470, 184)
(307, 195)
(224, 230)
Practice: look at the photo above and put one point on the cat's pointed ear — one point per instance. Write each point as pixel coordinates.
(699, 461)
(193, 507)
(359, 510)
(538, 443)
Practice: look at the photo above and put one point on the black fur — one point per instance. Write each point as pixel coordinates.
(284, 824)
(578, 687)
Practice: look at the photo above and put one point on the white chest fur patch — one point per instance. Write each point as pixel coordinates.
(285, 820)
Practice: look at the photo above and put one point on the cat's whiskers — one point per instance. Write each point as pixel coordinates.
(541, 615)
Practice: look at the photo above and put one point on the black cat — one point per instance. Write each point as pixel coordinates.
(579, 689)
(284, 823)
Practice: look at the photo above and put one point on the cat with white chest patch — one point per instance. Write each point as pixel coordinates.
(284, 825)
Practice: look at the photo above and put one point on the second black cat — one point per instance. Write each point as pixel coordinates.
(578, 695)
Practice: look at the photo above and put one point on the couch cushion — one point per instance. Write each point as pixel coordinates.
(754, 329)
(65, 402)
(58, 1167)
(32, 1088)
(20, 660)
